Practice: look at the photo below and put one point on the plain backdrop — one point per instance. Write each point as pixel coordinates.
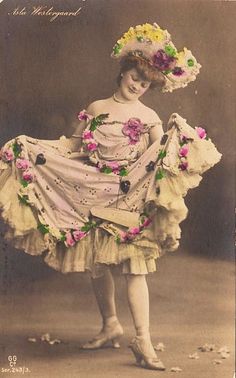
(51, 70)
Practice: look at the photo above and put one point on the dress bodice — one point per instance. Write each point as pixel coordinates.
(122, 142)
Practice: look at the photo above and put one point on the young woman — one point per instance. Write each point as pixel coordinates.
(112, 194)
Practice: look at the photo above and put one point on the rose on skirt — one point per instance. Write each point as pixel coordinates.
(201, 132)
(28, 176)
(7, 154)
(22, 164)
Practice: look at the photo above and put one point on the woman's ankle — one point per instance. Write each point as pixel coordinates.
(110, 321)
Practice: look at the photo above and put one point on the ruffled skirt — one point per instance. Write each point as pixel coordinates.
(39, 211)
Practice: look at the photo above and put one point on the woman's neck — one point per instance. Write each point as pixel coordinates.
(117, 97)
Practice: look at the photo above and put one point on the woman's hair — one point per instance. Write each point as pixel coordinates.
(144, 69)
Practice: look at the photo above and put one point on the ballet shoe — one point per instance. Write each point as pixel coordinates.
(144, 354)
(110, 334)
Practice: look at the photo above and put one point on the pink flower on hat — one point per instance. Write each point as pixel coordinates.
(201, 132)
(183, 151)
(78, 235)
(69, 240)
(22, 164)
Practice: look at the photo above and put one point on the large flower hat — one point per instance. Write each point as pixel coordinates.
(154, 44)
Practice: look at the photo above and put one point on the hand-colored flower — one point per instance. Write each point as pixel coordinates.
(177, 71)
(69, 242)
(146, 222)
(163, 61)
(28, 176)
(183, 138)
(134, 230)
(113, 165)
(22, 164)
(183, 165)
(201, 132)
(8, 154)
(133, 128)
(87, 134)
(83, 116)
(92, 146)
(183, 151)
(78, 235)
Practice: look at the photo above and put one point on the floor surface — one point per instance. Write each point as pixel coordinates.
(192, 304)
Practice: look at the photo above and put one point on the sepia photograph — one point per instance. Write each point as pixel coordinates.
(117, 188)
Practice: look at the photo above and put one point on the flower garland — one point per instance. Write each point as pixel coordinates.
(13, 152)
(132, 232)
(132, 128)
(184, 148)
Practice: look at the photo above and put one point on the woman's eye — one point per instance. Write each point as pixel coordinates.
(134, 78)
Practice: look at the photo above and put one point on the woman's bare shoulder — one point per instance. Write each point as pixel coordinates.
(97, 106)
(151, 115)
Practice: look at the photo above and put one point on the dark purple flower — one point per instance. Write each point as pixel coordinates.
(163, 62)
(177, 71)
(183, 165)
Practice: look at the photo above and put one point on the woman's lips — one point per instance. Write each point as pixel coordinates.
(132, 91)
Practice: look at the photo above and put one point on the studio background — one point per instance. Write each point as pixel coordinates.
(49, 71)
(52, 70)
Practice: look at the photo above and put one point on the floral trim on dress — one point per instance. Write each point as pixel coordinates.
(13, 152)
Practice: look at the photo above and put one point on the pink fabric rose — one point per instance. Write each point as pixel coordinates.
(134, 230)
(69, 240)
(22, 164)
(28, 175)
(78, 235)
(83, 116)
(201, 132)
(133, 128)
(146, 222)
(113, 165)
(183, 151)
(92, 146)
(87, 134)
(123, 236)
(8, 154)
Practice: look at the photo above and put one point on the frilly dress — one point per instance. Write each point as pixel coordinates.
(118, 201)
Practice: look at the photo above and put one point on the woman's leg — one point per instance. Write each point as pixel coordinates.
(104, 290)
(138, 297)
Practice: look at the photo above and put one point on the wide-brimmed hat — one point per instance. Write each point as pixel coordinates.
(154, 44)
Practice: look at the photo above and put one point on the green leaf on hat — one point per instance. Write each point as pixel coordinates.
(170, 50)
(190, 62)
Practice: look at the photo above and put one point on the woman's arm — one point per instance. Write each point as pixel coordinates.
(74, 143)
(156, 131)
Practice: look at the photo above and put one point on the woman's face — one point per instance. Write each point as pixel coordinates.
(132, 85)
